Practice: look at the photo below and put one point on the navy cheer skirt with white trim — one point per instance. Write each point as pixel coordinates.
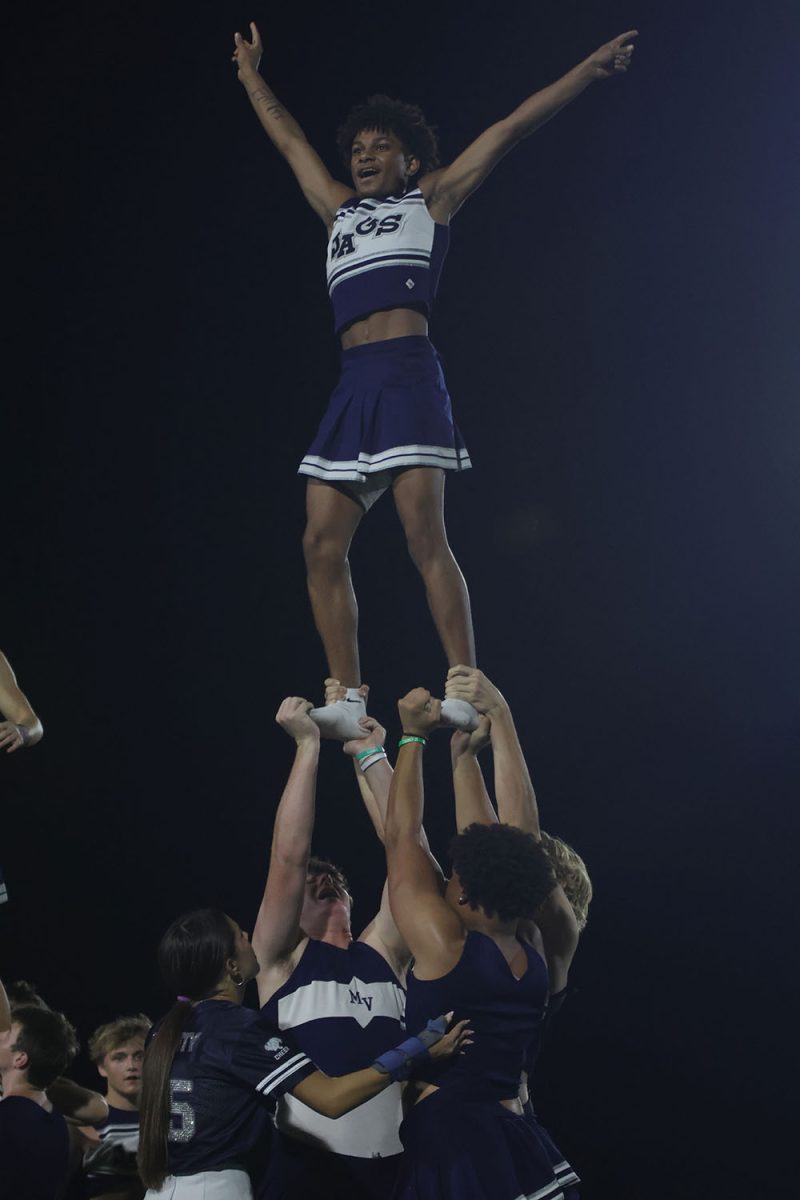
(390, 410)
(459, 1148)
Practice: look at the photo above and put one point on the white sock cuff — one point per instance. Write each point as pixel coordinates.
(353, 694)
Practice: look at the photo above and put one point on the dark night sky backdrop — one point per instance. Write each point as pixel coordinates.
(618, 320)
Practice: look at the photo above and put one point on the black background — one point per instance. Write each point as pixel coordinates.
(618, 322)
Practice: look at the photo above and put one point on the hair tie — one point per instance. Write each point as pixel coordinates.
(184, 999)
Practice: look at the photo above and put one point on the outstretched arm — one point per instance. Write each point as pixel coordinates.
(22, 727)
(320, 189)
(374, 777)
(432, 930)
(516, 799)
(447, 188)
(335, 1096)
(277, 932)
(473, 805)
(79, 1105)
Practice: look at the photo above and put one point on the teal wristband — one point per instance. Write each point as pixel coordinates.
(372, 750)
(411, 737)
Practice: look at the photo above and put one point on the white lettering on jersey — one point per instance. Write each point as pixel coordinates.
(356, 999)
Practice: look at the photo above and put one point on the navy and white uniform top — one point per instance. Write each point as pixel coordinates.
(111, 1165)
(344, 1007)
(384, 253)
(228, 1071)
(505, 1012)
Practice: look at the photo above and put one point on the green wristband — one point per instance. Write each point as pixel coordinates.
(407, 738)
(372, 750)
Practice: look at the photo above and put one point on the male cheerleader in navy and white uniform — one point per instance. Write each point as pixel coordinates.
(389, 421)
(342, 999)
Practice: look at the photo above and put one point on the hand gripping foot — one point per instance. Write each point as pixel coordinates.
(340, 720)
(459, 714)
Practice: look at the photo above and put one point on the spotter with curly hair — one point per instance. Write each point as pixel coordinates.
(389, 422)
(465, 1134)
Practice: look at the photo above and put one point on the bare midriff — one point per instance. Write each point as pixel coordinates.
(513, 1105)
(385, 325)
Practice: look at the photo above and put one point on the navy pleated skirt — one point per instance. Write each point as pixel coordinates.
(390, 410)
(476, 1149)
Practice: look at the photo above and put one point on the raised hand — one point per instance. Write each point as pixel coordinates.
(470, 684)
(470, 743)
(374, 735)
(335, 690)
(453, 1042)
(247, 55)
(419, 712)
(614, 57)
(292, 716)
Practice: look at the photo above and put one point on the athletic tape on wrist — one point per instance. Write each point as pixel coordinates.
(399, 1061)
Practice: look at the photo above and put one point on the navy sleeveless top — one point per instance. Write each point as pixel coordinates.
(384, 253)
(505, 1013)
(344, 1007)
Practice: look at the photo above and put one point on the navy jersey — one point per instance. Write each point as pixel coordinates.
(111, 1165)
(344, 1008)
(34, 1150)
(384, 254)
(505, 1012)
(228, 1071)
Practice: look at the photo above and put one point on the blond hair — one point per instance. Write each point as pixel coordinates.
(117, 1033)
(570, 871)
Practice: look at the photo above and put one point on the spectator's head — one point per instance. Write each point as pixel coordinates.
(500, 871)
(571, 873)
(117, 1050)
(327, 899)
(22, 992)
(37, 1048)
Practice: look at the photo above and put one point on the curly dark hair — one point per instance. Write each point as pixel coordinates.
(502, 870)
(406, 121)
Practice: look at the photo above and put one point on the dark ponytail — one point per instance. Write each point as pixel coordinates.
(192, 957)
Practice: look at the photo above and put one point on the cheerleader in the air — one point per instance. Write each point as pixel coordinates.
(389, 421)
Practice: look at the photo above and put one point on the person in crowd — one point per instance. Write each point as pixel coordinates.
(76, 1104)
(389, 422)
(36, 1047)
(341, 997)
(214, 1069)
(109, 1159)
(466, 1134)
